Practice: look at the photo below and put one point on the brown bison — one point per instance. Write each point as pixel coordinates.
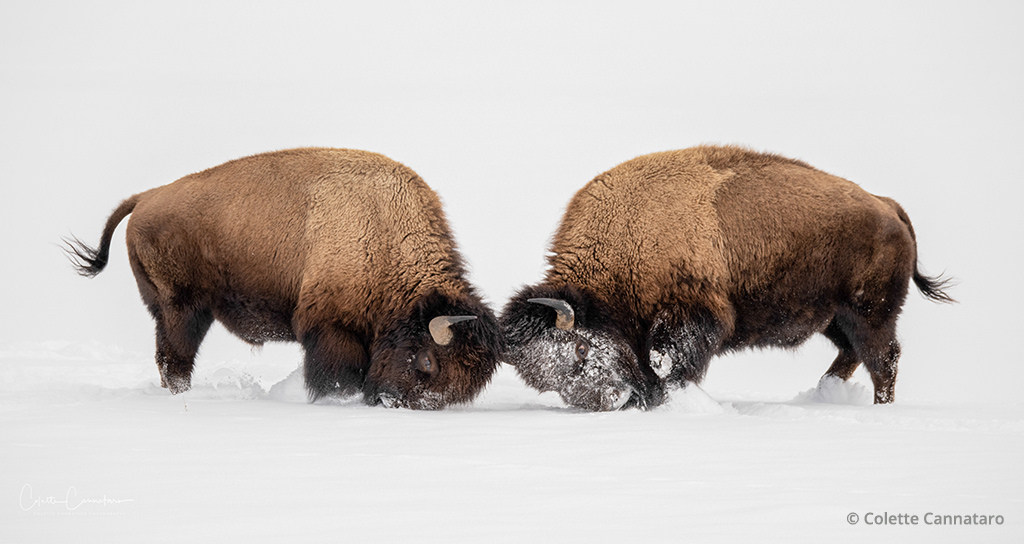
(671, 258)
(345, 251)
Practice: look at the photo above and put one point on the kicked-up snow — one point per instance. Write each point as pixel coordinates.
(833, 390)
(95, 451)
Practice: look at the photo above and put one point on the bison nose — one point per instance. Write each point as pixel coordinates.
(635, 400)
(620, 398)
(389, 400)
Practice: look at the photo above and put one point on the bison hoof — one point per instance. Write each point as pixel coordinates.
(176, 384)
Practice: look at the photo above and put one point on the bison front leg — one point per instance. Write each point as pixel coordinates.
(179, 331)
(335, 362)
(680, 348)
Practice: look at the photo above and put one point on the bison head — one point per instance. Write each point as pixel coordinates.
(443, 352)
(565, 340)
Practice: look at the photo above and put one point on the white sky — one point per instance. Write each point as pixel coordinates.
(506, 110)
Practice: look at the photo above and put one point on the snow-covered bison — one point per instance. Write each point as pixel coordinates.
(345, 251)
(671, 258)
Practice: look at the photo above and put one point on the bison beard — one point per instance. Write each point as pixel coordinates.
(344, 251)
(672, 258)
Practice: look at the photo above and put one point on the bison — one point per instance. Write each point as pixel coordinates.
(345, 251)
(669, 259)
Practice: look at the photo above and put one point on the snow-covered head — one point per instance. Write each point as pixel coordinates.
(564, 340)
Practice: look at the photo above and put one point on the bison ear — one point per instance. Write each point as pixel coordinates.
(566, 317)
(440, 327)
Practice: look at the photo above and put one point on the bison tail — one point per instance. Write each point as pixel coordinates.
(933, 287)
(89, 261)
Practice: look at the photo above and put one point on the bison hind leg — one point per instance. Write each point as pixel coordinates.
(881, 357)
(179, 331)
(335, 362)
(846, 362)
(876, 347)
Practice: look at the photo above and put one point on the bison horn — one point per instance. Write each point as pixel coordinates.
(566, 317)
(439, 327)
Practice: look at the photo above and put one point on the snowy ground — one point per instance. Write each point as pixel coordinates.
(95, 451)
(505, 109)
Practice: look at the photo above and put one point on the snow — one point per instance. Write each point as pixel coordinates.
(95, 451)
(833, 390)
(661, 363)
(506, 110)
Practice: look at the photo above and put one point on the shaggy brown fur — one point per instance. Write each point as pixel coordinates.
(695, 252)
(346, 251)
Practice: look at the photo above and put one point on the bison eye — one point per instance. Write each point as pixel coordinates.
(426, 362)
(582, 349)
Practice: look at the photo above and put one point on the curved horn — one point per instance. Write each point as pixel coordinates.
(566, 317)
(439, 330)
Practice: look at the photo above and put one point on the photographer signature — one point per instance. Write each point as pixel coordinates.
(70, 501)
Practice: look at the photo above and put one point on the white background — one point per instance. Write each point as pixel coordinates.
(506, 109)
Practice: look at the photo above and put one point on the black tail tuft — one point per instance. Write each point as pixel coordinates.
(87, 261)
(933, 287)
